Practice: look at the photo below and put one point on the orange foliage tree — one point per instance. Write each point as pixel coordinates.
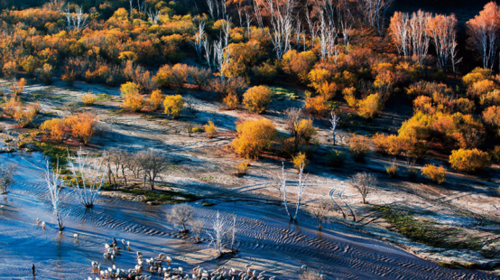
(254, 136)
(82, 126)
(156, 99)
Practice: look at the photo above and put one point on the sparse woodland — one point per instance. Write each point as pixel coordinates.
(315, 84)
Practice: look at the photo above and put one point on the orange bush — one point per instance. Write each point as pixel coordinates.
(478, 74)
(231, 101)
(436, 174)
(298, 64)
(257, 98)
(132, 99)
(156, 99)
(469, 160)
(82, 126)
(316, 106)
(481, 88)
(173, 105)
(491, 116)
(254, 136)
(490, 98)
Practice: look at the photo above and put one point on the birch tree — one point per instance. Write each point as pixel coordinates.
(374, 12)
(199, 39)
(87, 178)
(442, 30)
(399, 32)
(282, 184)
(53, 181)
(281, 24)
(483, 31)
(76, 20)
(6, 178)
(334, 120)
(419, 37)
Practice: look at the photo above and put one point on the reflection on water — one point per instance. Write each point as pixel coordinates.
(265, 238)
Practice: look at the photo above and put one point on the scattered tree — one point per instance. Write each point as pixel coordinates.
(364, 183)
(173, 105)
(181, 215)
(254, 136)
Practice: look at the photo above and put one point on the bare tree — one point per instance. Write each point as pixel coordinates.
(153, 16)
(232, 233)
(181, 215)
(334, 120)
(208, 52)
(419, 38)
(442, 31)
(282, 185)
(199, 38)
(153, 163)
(52, 178)
(76, 20)
(196, 226)
(217, 238)
(364, 183)
(374, 13)
(399, 31)
(6, 178)
(87, 179)
(321, 211)
(281, 24)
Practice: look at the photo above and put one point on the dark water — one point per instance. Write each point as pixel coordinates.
(264, 238)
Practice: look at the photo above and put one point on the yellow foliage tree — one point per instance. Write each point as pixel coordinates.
(254, 136)
(257, 98)
(173, 105)
(436, 174)
(469, 160)
(132, 99)
(210, 129)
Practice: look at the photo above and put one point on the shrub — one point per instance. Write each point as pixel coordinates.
(465, 105)
(254, 136)
(163, 77)
(491, 116)
(359, 148)
(56, 128)
(231, 101)
(132, 99)
(478, 74)
(392, 170)
(369, 107)
(350, 96)
(469, 160)
(25, 117)
(257, 98)
(44, 74)
(17, 86)
(11, 106)
(481, 88)
(179, 76)
(210, 129)
(241, 169)
(173, 105)
(335, 158)
(316, 106)
(298, 64)
(495, 154)
(156, 99)
(82, 126)
(88, 98)
(490, 98)
(200, 76)
(434, 173)
(266, 72)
